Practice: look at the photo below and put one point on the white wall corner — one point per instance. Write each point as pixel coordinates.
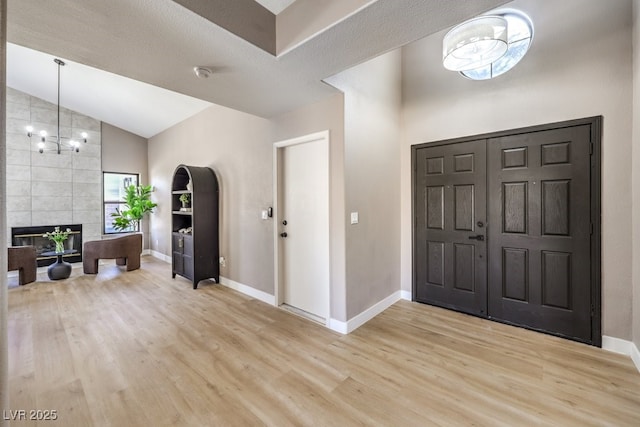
(362, 318)
(248, 290)
(338, 326)
(635, 356)
(406, 295)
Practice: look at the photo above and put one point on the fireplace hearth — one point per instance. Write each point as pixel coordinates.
(24, 236)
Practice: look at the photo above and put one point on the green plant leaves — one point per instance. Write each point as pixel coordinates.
(137, 204)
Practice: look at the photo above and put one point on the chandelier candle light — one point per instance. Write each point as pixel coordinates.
(61, 142)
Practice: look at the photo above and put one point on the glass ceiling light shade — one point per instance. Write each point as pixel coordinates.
(520, 29)
(58, 142)
(475, 43)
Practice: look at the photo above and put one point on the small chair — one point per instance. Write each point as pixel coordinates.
(125, 250)
(23, 259)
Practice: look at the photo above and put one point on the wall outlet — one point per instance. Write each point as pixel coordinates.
(223, 262)
(354, 217)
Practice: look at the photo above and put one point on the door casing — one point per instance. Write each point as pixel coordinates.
(595, 124)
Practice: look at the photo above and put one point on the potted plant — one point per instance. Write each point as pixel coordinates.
(59, 237)
(185, 199)
(137, 204)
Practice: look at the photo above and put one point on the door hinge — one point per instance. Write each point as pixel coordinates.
(591, 229)
(591, 149)
(593, 310)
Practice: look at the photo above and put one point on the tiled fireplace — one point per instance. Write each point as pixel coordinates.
(51, 188)
(23, 236)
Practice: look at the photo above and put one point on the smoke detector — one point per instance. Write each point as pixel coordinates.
(202, 72)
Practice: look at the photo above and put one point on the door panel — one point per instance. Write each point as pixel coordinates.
(540, 230)
(305, 215)
(450, 208)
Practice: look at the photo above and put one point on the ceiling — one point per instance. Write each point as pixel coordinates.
(158, 42)
(275, 6)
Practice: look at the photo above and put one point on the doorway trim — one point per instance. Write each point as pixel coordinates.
(278, 181)
(595, 124)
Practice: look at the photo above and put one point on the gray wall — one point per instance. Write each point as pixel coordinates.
(126, 152)
(577, 67)
(4, 350)
(636, 173)
(238, 148)
(372, 98)
(325, 115)
(50, 188)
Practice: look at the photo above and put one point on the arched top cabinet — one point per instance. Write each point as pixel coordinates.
(194, 224)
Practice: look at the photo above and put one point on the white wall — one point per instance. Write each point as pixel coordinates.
(237, 147)
(372, 105)
(579, 66)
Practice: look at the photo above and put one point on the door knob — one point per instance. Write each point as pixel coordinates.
(283, 234)
(479, 237)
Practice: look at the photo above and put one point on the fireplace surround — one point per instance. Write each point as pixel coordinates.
(23, 236)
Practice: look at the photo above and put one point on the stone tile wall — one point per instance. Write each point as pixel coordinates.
(50, 188)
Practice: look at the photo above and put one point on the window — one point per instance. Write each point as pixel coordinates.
(114, 185)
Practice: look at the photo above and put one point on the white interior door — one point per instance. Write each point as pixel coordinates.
(304, 226)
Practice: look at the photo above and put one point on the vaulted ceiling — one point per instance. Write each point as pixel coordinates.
(158, 42)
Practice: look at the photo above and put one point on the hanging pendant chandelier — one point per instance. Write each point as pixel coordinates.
(57, 143)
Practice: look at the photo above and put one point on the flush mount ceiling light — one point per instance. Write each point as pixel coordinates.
(475, 43)
(59, 142)
(520, 31)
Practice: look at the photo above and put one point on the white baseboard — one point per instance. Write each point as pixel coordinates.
(362, 318)
(160, 256)
(616, 345)
(635, 356)
(146, 252)
(248, 290)
(406, 295)
(627, 348)
(338, 326)
(231, 284)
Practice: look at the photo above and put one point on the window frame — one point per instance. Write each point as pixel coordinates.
(112, 202)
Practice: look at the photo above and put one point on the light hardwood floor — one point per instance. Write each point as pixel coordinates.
(140, 349)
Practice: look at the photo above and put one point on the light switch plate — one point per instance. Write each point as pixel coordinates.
(354, 217)
(265, 214)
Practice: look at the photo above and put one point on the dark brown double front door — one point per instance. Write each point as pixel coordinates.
(503, 228)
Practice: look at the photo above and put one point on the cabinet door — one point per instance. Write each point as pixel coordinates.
(187, 256)
(178, 266)
(187, 245)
